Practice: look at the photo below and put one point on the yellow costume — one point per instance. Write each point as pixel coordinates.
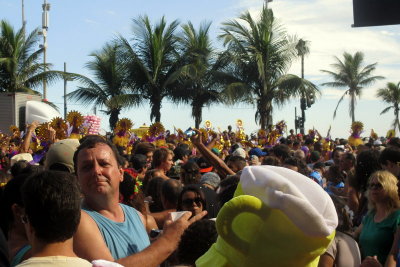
(278, 218)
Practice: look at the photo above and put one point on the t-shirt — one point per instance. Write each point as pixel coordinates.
(344, 250)
(377, 238)
(59, 261)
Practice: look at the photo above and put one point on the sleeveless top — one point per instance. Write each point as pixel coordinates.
(20, 255)
(125, 238)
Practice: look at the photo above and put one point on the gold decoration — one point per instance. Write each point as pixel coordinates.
(42, 132)
(239, 123)
(59, 125)
(156, 129)
(357, 126)
(123, 124)
(75, 118)
(374, 134)
(15, 130)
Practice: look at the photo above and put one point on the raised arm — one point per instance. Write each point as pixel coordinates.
(215, 161)
(28, 137)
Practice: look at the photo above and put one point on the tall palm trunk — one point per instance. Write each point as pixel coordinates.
(197, 114)
(155, 103)
(352, 106)
(303, 112)
(396, 114)
(265, 111)
(114, 113)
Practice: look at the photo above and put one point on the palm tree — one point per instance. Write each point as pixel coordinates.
(261, 53)
(391, 95)
(153, 68)
(303, 49)
(352, 75)
(202, 73)
(20, 69)
(109, 89)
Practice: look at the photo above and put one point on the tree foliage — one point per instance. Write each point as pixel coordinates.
(353, 75)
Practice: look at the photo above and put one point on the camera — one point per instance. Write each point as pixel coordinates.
(190, 132)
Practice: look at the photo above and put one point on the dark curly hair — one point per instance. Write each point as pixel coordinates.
(196, 240)
(190, 173)
(128, 196)
(366, 164)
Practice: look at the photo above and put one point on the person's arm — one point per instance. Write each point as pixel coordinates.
(357, 232)
(352, 199)
(89, 243)
(215, 161)
(391, 259)
(325, 260)
(28, 137)
(212, 142)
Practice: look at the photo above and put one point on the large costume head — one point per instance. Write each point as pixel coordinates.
(278, 217)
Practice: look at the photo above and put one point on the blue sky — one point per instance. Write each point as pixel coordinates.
(78, 28)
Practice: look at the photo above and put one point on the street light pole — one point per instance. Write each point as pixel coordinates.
(45, 27)
(65, 91)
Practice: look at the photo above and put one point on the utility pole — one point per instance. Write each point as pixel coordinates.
(65, 91)
(45, 27)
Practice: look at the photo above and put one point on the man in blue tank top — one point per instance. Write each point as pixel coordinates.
(109, 230)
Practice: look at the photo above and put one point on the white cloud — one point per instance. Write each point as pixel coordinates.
(89, 21)
(111, 12)
(327, 25)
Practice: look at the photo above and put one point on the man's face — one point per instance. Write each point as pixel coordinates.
(345, 164)
(98, 171)
(336, 157)
(233, 166)
(392, 167)
(13, 147)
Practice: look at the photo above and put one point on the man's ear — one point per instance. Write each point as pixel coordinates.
(121, 171)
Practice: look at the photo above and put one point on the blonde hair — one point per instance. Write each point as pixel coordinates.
(389, 185)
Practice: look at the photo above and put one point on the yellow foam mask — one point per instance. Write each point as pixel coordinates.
(278, 218)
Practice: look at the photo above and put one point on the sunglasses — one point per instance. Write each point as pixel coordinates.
(190, 201)
(375, 186)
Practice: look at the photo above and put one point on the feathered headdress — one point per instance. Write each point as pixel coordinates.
(356, 128)
(58, 124)
(75, 120)
(122, 132)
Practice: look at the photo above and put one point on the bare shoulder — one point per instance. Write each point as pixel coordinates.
(88, 241)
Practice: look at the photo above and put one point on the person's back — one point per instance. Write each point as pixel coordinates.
(52, 213)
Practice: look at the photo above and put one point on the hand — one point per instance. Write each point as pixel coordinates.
(371, 262)
(197, 138)
(255, 161)
(52, 133)
(174, 230)
(33, 126)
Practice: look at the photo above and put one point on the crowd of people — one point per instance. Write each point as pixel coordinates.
(95, 202)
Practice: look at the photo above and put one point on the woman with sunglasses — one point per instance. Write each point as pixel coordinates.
(378, 227)
(192, 199)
